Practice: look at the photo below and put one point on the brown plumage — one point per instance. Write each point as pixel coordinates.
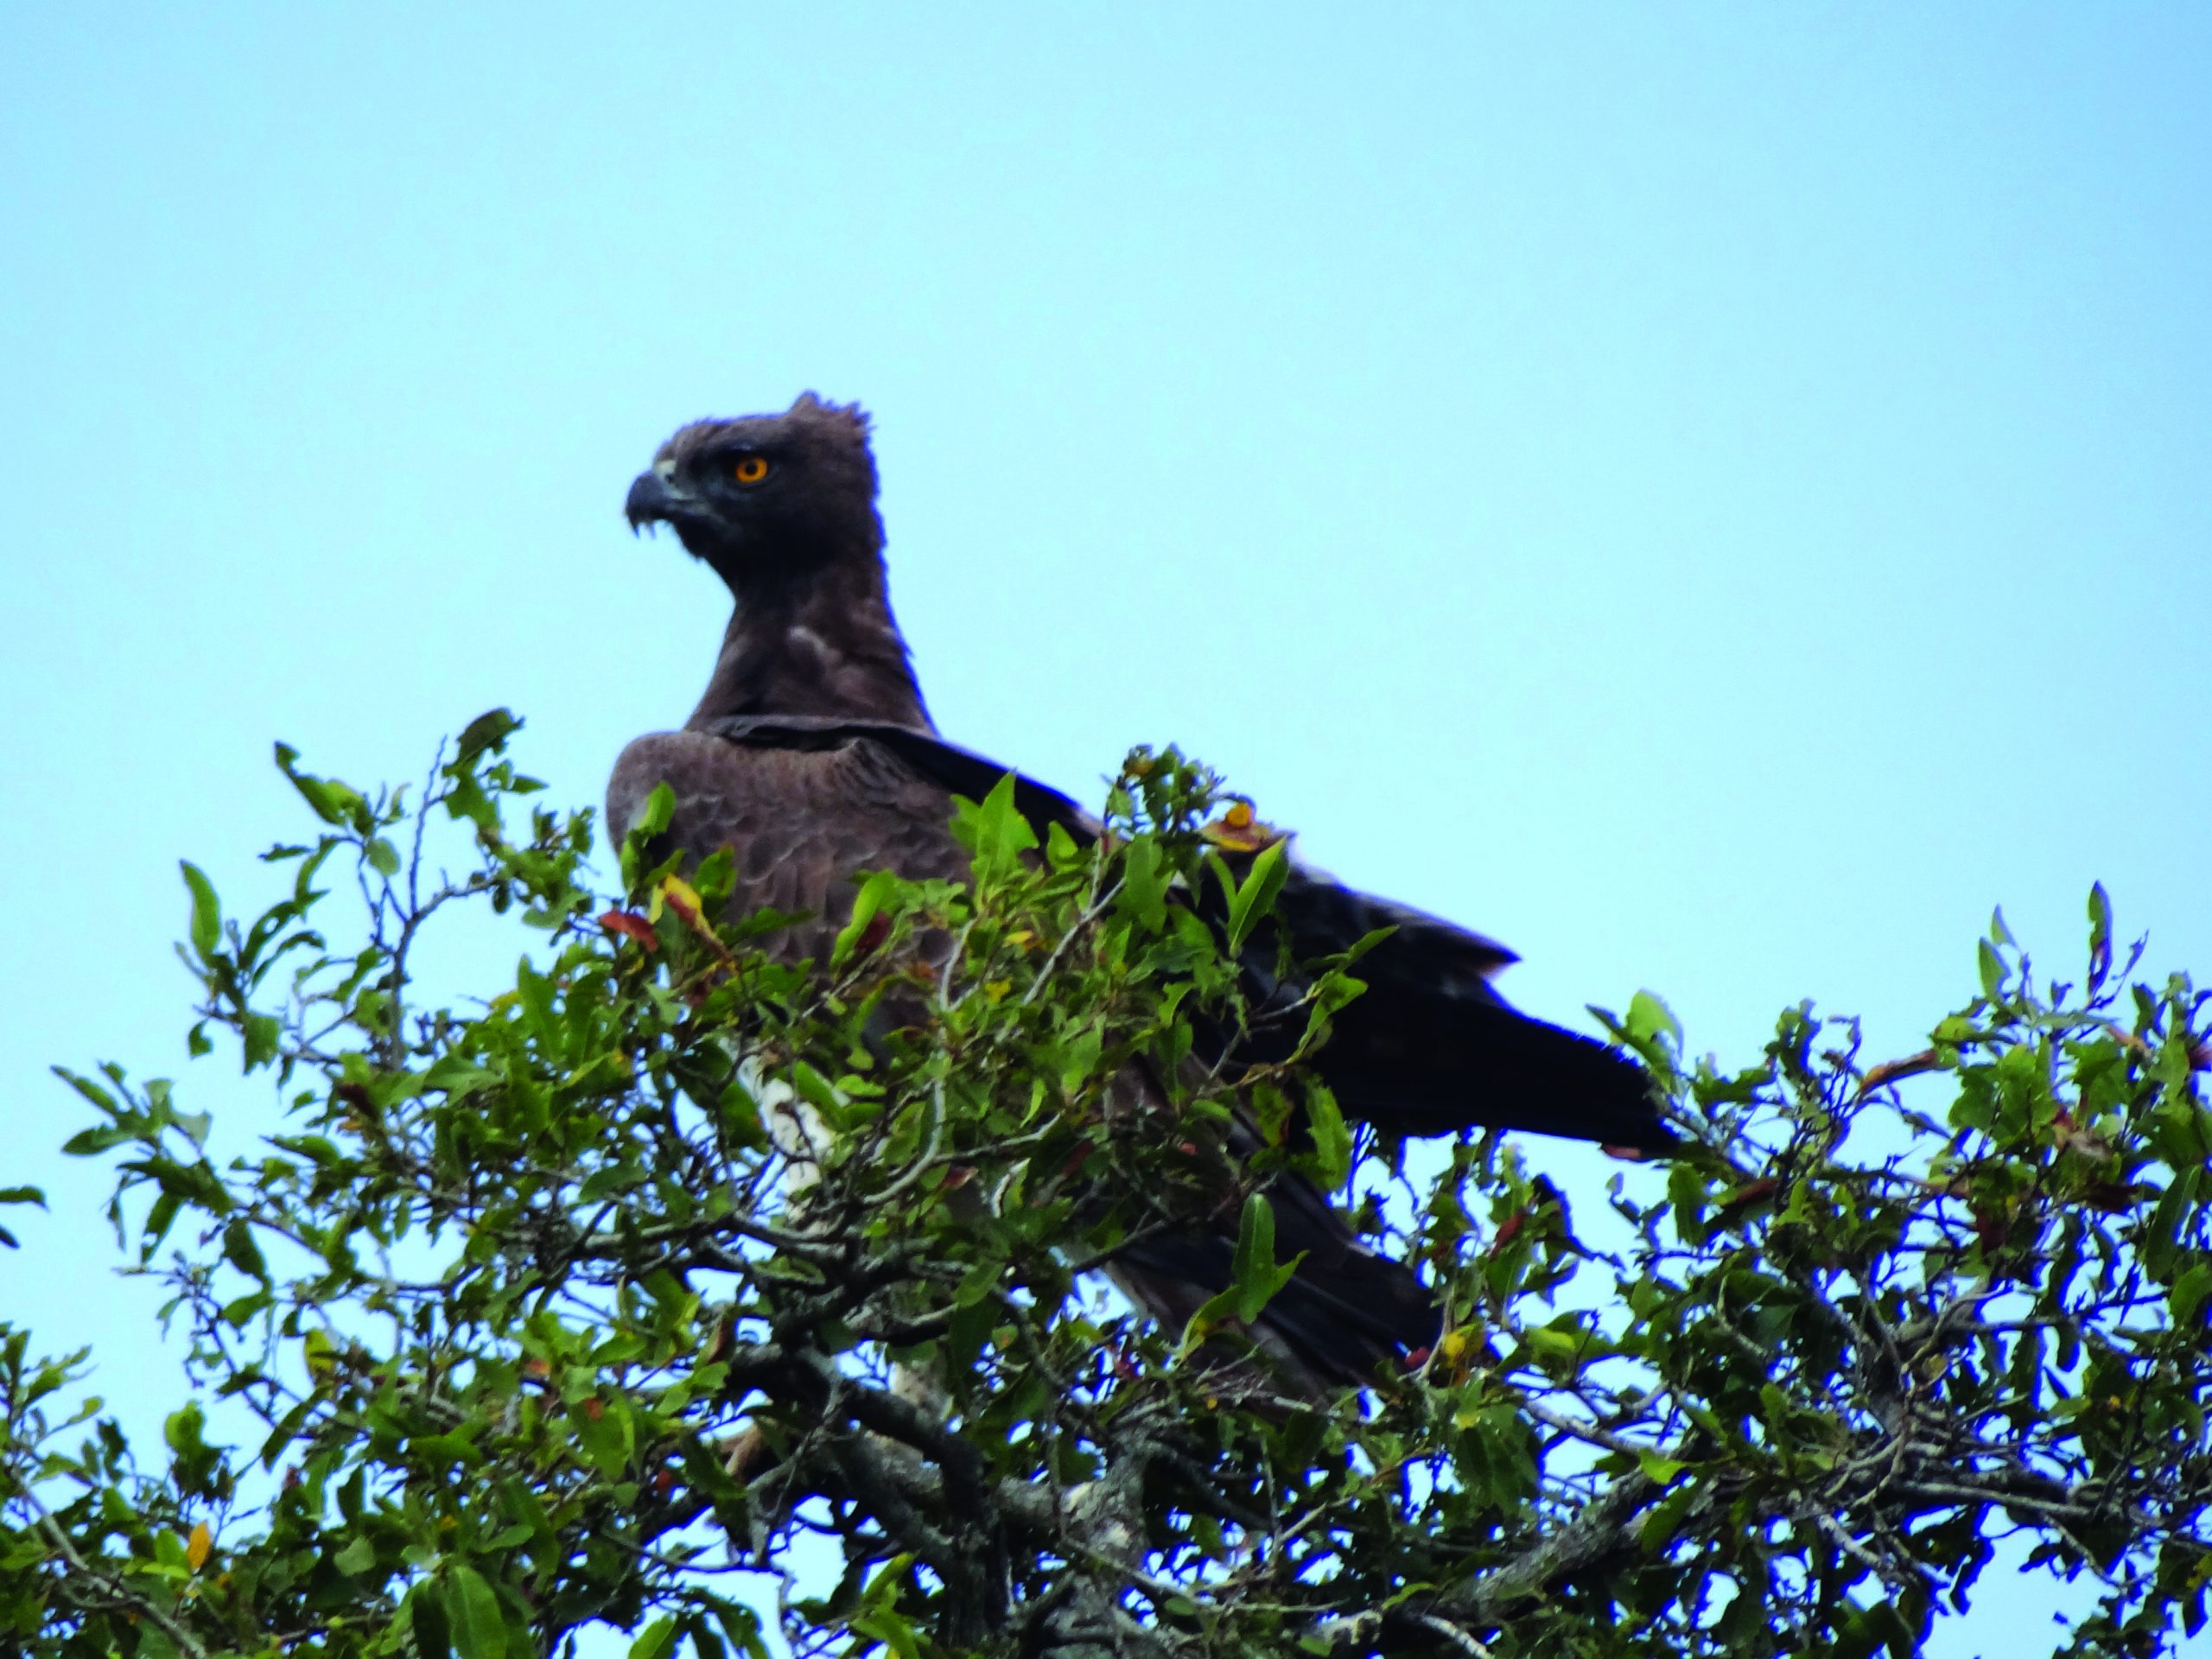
(812, 757)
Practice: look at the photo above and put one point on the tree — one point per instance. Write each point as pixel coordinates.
(539, 1314)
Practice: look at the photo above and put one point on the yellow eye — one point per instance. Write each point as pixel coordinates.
(750, 469)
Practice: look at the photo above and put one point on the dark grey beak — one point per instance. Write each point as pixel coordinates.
(652, 501)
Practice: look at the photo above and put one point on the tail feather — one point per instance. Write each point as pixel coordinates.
(1345, 1313)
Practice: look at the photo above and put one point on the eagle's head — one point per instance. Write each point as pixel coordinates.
(767, 497)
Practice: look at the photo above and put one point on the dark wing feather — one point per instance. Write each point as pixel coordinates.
(1430, 1049)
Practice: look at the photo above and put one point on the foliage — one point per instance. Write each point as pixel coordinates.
(674, 1282)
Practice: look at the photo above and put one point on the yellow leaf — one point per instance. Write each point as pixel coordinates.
(1239, 831)
(196, 1547)
(674, 889)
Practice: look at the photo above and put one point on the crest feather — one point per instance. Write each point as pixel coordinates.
(849, 421)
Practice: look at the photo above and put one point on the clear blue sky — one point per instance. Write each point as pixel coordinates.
(1715, 495)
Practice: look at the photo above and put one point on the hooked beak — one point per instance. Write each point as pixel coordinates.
(653, 499)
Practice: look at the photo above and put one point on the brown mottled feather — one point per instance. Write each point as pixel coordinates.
(802, 822)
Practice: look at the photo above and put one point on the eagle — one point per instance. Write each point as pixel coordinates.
(812, 758)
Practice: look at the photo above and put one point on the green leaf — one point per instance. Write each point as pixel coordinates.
(1563, 1343)
(740, 1116)
(1956, 1030)
(995, 831)
(821, 1094)
(91, 1090)
(868, 904)
(1993, 971)
(1254, 899)
(357, 1557)
(1144, 884)
(1062, 851)
(1650, 1018)
(207, 913)
(472, 1609)
(1664, 1518)
(2190, 1292)
(1258, 1278)
(894, 1631)
(742, 1626)
(657, 1641)
(489, 730)
(603, 1430)
(240, 1250)
(425, 1612)
(1333, 1141)
(332, 801)
(261, 1033)
(1256, 1240)
(382, 856)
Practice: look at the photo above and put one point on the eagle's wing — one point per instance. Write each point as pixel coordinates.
(806, 804)
(1430, 1049)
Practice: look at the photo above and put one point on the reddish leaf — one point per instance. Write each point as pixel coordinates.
(1890, 1071)
(877, 931)
(630, 925)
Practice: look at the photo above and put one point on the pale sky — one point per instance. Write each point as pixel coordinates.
(1713, 495)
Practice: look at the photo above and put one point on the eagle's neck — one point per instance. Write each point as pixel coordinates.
(825, 646)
